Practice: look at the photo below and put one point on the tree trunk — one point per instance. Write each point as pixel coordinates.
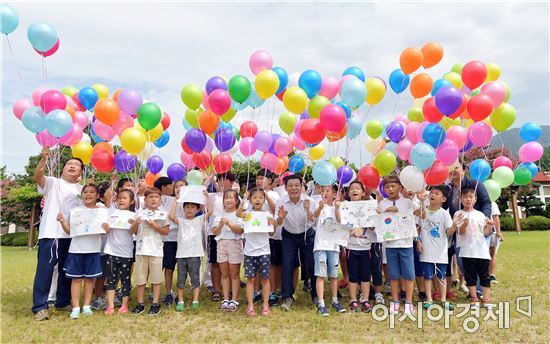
(515, 212)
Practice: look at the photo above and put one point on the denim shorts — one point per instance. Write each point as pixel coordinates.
(326, 263)
(434, 269)
(400, 263)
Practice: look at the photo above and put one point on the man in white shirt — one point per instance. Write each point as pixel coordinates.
(62, 194)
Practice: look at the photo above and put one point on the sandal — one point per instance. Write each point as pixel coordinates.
(251, 312)
(216, 296)
(266, 311)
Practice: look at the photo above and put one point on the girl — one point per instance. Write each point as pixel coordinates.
(119, 250)
(83, 262)
(228, 229)
(177, 187)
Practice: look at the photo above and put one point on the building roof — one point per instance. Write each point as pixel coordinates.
(542, 177)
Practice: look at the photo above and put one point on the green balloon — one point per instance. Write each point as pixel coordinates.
(507, 90)
(493, 189)
(149, 115)
(316, 104)
(384, 161)
(457, 68)
(228, 116)
(194, 177)
(336, 161)
(503, 117)
(374, 128)
(504, 176)
(287, 121)
(237, 133)
(192, 117)
(69, 90)
(475, 92)
(239, 88)
(522, 176)
(415, 114)
(191, 95)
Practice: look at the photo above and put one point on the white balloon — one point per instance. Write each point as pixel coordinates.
(146, 152)
(412, 179)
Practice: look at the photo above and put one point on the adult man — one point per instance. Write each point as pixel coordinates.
(62, 194)
(296, 218)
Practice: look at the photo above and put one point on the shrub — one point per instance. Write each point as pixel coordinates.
(14, 239)
(532, 223)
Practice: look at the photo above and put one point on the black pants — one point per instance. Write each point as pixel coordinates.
(475, 268)
(293, 244)
(118, 268)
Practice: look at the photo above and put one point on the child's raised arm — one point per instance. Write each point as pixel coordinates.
(337, 211)
(271, 222)
(134, 224)
(458, 226)
(270, 203)
(240, 211)
(172, 214)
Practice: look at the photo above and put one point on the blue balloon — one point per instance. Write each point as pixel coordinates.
(254, 100)
(186, 125)
(422, 155)
(440, 83)
(88, 97)
(239, 106)
(58, 122)
(399, 81)
(355, 71)
(296, 164)
(353, 92)
(283, 78)
(532, 167)
(42, 36)
(434, 134)
(309, 145)
(310, 82)
(354, 127)
(163, 139)
(392, 147)
(9, 19)
(530, 132)
(33, 119)
(346, 107)
(480, 170)
(94, 136)
(324, 173)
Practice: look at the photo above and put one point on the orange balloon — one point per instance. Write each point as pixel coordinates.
(209, 121)
(421, 85)
(115, 95)
(280, 166)
(150, 178)
(433, 53)
(103, 146)
(333, 136)
(410, 60)
(70, 109)
(107, 111)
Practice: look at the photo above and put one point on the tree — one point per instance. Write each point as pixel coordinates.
(544, 162)
(526, 199)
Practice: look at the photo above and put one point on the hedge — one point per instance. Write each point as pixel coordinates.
(532, 223)
(14, 239)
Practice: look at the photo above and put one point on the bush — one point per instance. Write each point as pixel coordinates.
(14, 239)
(532, 223)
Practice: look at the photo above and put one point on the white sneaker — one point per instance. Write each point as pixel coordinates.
(379, 298)
(394, 307)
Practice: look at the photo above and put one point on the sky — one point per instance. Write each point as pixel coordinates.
(158, 47)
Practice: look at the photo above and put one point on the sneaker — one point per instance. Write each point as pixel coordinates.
(287, 305)
(450, 296)
(366, 306)
(343, 284)
(436, 296)
(266, 311)
(180, 306)
(195, 305)
(395, 307)
(379, 298)
(140, 308)
(447, 305)
(402, 295)
(479, 295)
(232, 306)
(154, 310)
(87, 310)
(169, 299)
(110, 311)
(273, 299)
(409, 308)
(210, 289)
(337, 306)
(42, 315)
(422, 296)
(224, 304)
(307, 286)
(493, 279)
(323, 311)
(354, 306)
(257, 297)
(250, 311)
(464, 288)
(75, 314)
(427, 304)
(99, 304)
(123, 310)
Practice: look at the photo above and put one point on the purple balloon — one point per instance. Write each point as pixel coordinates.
(297, 127)
(304, 115)
(129, 101)
(263, 140)
(155, 164)
(395, 131)
(225, 139)
(195, 139)
(448, 99)
(344, 174)
(176, 171)
(274, 138)
(215, 83)
(381, 189)
(124, 162)
(467, 146)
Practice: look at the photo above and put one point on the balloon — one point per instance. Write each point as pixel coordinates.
(316, 105)
(376, 89)
(329, 87)
(187, 160)
(354, 127)
(58, 122)
(9, 19)
(239, 88)
(502, 161)
(479, 107)
(454, 78)
(457, 134)
(480, 170)
(421, 85)
(432, 53)
(215, 83)
(480, 134)
(222, 163)
(195, 139)
(202, 160)
(259, 61)
(298, 143)
(344, 174)
(20, 106)
(162, 140)
(228, 116)
(495, 91)
(133, 140)
(474, 74)
(155, 164)
(103, 161)
(149, 115)
(530, 152)
(176, 171)
(254, 100)
(530, 132)
(73, 136)
(37, 95)
(399, 81)
(283, 146)
(437, 174)
(333, 136)
(422, 155)
(353, 92)
(312, 131)
(448, 100)
(248, 129)
(194, 177)
(282, 75)
(395, 131)
(504, 176)
(410, 60)
(88, 97)
(225, 139)
(336, 161)
(440, 83)
(124, 121)
(433, 134)
(431, 112)
(41, 35)
(219, 101)
(129, 101)
(374, 145)
(503, 117)
(151, 178)
(355, 71)
(310, 82)
(52, 100)
(411, 132)
(287, 122)
(374, 128)
(266, 83)
(369, 176)
(384, 162)
(447, 152)
(124, 162)
(83, 151)
(412, 179)
(403, 149)
(332, 118)
(191, 95)
(247, 146)
(45, 139)
(102, 90)
(522, 175)
(268, 161)
(104, 131)
(346, 108)
(457, 68)
(295, 100)
(107, 111)
(531, 166)
(324, 173)
(263, 140)
(493, 189)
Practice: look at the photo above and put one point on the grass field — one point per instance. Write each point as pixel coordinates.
(523, 269)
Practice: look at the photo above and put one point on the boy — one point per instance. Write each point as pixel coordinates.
(151, 224)
(472, 227)
(435, 227)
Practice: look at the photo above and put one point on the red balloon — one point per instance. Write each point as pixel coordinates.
(77, 104)
(248, 129)
(431, 112)
(462, 108)
(436, 174)
(184, 146)
(165, 121)
(479, 107)
(281, 94)
(222, 163)
(311, 131)
(474, 74)
(203, 159)
(50, 52)
(369, 176)
(103, 160)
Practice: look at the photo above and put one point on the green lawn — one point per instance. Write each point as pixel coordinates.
(523, 270)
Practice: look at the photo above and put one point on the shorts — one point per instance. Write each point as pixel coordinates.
(148, 266)
(359, 266)
(276, 248)
(189, 266)
(255, 264)
(326, 263)
(212, 249)
(230, 251)
(434, 269)
(400, 263)
(82, 265)
(169, 255)
(418, 271)
(475, 268)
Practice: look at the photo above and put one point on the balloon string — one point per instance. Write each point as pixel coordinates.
(13, 57)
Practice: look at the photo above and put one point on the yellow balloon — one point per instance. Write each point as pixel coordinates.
(102, 90)
(454, 78)
(155, 133)
(493, 72)
(336, 161)
(139, 127)
(376, 89)
(133, 140)
(295, 99)
(317, 152)
(146, 152)
(374, 145)
(447, 122)
(192, 117)
(83, 151)
(267, 83)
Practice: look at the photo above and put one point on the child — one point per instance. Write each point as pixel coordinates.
(494, 241)
(326, 254)
(119, 252)
(151, 223)
(83, 261)
(472, 227)
(257, 256)
(228, 229)
(435, 227)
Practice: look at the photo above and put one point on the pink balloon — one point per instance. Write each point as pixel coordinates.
(104, 131)
(37, 94)
(447, 152)
(247, 146)
(502, 161)
(219, 101)
(420, 130)
(282, 146)
(50, 52)
(69, 101)
(495, 91)
(404, 149)
(209, 145)
(297, 127)
(411, 130)
(530, 152)
(81, 119)
(187, 160)
(259, 61)
(269, 161)
(73, 136)
(45, 139)
(124, 121)
(329, 87)
(459, 135)
(298, 143)
(480, 134)
(333, 118)
(20, 106)
(205, 104)
(403, 119)
(52, 100)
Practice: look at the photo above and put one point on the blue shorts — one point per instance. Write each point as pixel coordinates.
(82, 265)
(400, 263)
(434, 269)
(326, 263)
(257, 264)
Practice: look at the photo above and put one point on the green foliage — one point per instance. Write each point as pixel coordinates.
(14, 239)
(533, 223)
